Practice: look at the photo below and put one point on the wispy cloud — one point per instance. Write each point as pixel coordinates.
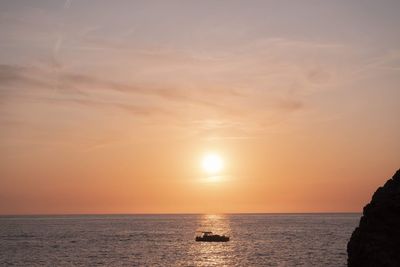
(85, 84)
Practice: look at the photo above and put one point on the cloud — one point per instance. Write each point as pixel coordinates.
(253, 86)
(12, 76)
(291, 104)
(84, 85)
(386, 61)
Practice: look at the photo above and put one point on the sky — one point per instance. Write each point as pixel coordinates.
(111, 106)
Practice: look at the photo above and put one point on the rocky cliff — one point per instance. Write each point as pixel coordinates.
(376, 241)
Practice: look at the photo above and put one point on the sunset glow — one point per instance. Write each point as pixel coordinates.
(197, 106)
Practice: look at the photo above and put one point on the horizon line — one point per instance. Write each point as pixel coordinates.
(182, 213)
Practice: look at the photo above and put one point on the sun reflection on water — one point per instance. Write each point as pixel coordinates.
(213, 253)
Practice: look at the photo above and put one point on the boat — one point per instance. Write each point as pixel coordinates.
(210, 237)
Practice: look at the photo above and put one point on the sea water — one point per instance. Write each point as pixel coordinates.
(168, 240)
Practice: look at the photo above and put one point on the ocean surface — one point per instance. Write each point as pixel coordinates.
(168, 240)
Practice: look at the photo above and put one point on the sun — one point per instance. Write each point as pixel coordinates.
(212, 163)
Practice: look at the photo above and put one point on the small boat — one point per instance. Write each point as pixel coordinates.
(210, 237)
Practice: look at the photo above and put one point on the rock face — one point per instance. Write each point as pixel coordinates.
(376, 242)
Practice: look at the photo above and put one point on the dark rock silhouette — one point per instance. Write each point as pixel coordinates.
(376, 241)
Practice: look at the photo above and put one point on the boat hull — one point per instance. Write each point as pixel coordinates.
(212, 239)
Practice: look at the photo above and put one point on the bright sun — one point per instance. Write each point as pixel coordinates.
(212, 163)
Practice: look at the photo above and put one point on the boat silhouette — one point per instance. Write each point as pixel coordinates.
(210, 237)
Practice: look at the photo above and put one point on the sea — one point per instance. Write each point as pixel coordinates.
(169, 240)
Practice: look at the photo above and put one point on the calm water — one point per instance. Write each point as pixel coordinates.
(168, 240)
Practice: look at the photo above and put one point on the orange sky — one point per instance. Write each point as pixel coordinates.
(110, 108)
